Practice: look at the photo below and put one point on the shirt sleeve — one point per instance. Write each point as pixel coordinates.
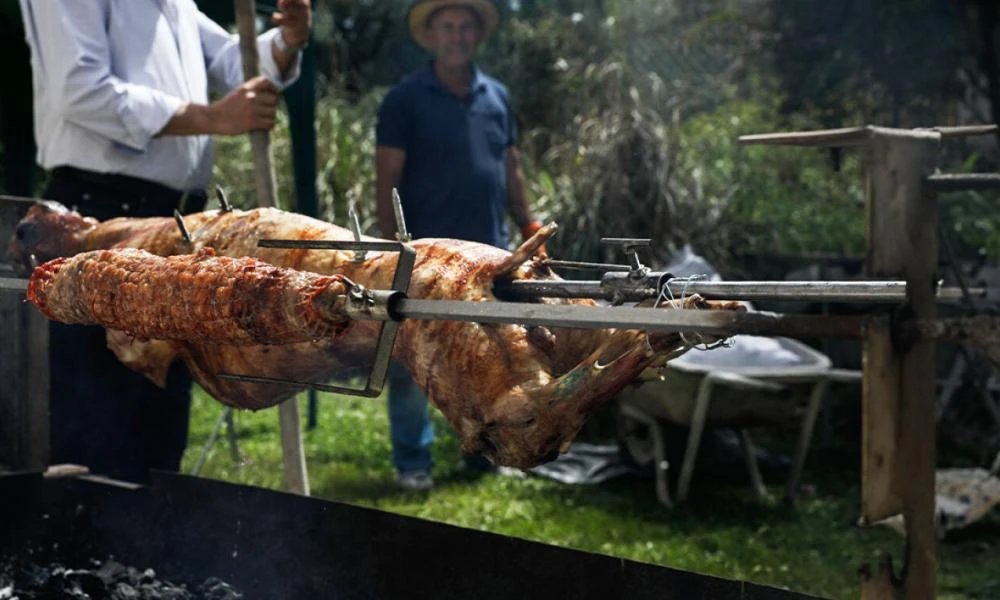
(394, 125)
(71, 52)
(224, 63)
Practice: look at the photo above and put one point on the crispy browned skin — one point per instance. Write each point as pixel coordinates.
(191, 297)
(517, 394)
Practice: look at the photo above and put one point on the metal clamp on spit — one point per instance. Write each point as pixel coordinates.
(361, 303)
(623, 287)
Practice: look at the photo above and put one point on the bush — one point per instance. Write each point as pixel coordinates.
(609, 153)
(624, 170)
(770, 199)
(345, 149)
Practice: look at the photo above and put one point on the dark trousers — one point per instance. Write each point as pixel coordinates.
(103, 414)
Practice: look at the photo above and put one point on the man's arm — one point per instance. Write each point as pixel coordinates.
(249, 107)
(222, 52)
(517, 202)
(389, 164)
(294, 19)
(71, 47)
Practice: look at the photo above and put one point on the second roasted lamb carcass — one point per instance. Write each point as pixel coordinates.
(518, 394)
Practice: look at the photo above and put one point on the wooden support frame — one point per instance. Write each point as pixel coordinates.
(899, 380)
(24, 396)
(24, 366)
(296, 475)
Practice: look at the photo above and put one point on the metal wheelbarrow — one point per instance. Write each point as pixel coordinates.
(755, 382)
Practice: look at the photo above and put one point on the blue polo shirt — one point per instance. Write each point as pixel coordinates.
(454, 182)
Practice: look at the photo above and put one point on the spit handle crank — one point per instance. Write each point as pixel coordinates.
(630, 246)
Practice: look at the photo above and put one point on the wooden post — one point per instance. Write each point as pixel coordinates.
(292, 452)
(899, 378)
(260, 140)
(24, 396)
(24, 367)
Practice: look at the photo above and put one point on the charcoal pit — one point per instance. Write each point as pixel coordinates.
(100, 580)
(267, 544)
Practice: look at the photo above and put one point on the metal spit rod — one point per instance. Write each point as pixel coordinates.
(812, 291)
(13, 284)
(714, 322)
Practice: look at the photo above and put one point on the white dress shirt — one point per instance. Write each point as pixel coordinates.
(108, 75)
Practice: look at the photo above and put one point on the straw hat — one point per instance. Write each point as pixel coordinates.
(420, 10)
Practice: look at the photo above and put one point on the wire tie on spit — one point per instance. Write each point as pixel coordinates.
(353, 289)
(666, 294)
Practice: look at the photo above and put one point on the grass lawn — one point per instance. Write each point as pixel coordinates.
(722, 531)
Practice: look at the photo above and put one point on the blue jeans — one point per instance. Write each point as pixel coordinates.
(410, 426)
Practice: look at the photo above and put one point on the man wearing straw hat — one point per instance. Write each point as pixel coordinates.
(446, 139)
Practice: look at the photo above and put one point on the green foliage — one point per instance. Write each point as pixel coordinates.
(621, 168)
(970, 219)
(544, 64)
(345, 151)
(612, 150)
(897, 61)
(361, 45)
(614, 171)
(347, 157)
(772, 199)
(234, 171)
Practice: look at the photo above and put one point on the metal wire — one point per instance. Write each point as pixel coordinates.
(666, 294)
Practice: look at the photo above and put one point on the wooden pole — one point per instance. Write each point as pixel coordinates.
(24, 364)
(292, 452)
(260, 140)
(899, 437)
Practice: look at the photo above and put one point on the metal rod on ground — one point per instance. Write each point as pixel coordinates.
(292, 451)
(234, 448)
(212, 437)
(234, 451)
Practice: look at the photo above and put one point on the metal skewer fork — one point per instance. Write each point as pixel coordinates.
(397, 206)
(352, 215)
(185, 234)
(221, 195)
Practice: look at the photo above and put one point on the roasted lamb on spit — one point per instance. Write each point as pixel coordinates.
(517, 394)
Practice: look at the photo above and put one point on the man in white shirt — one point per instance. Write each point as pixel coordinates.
(123, 122)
